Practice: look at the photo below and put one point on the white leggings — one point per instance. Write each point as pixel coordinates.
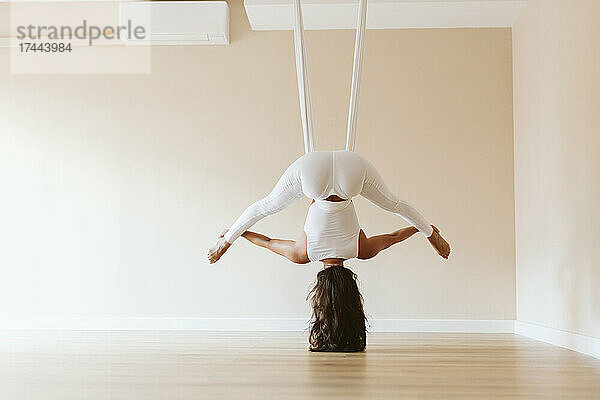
(320, 174)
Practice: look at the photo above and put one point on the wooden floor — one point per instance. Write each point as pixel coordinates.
(200, 365)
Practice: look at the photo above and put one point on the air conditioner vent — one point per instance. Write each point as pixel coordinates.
(176, 22)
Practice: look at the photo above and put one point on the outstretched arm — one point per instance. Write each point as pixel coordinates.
(287, 190)
(369, 247)
(295, 251)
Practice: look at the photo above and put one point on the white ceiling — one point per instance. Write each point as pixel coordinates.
(386, 14)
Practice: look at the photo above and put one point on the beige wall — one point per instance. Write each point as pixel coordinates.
(557, 158)
(115, 185)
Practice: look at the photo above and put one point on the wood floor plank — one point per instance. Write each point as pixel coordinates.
(260, 365)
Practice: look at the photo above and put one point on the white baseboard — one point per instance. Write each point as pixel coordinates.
(160, 324)
(572, 341)
(443, 325)
(257, 324)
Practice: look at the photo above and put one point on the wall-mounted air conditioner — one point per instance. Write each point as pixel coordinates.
(175, 22)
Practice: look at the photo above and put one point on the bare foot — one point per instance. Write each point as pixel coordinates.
(218, 249)
(439, 244)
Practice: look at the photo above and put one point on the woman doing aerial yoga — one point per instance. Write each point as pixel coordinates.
(331, 231)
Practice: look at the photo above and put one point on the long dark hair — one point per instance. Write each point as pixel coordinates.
(338, 319)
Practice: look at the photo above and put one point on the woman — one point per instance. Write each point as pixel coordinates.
(330, 176)
(338, 320)
(331, 235)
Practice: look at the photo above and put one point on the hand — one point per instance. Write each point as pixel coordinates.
(439, 244)
(218, 249)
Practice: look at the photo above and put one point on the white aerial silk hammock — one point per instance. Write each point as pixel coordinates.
(354, 90)
(302, 73)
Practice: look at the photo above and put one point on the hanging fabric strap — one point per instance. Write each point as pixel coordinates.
(302, 72)
(358, 51)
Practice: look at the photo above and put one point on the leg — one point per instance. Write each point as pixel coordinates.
(370, 247)
(287, 190)
(295, 251)
(376, 191)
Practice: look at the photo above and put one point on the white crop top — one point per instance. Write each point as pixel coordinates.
(332, 230)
